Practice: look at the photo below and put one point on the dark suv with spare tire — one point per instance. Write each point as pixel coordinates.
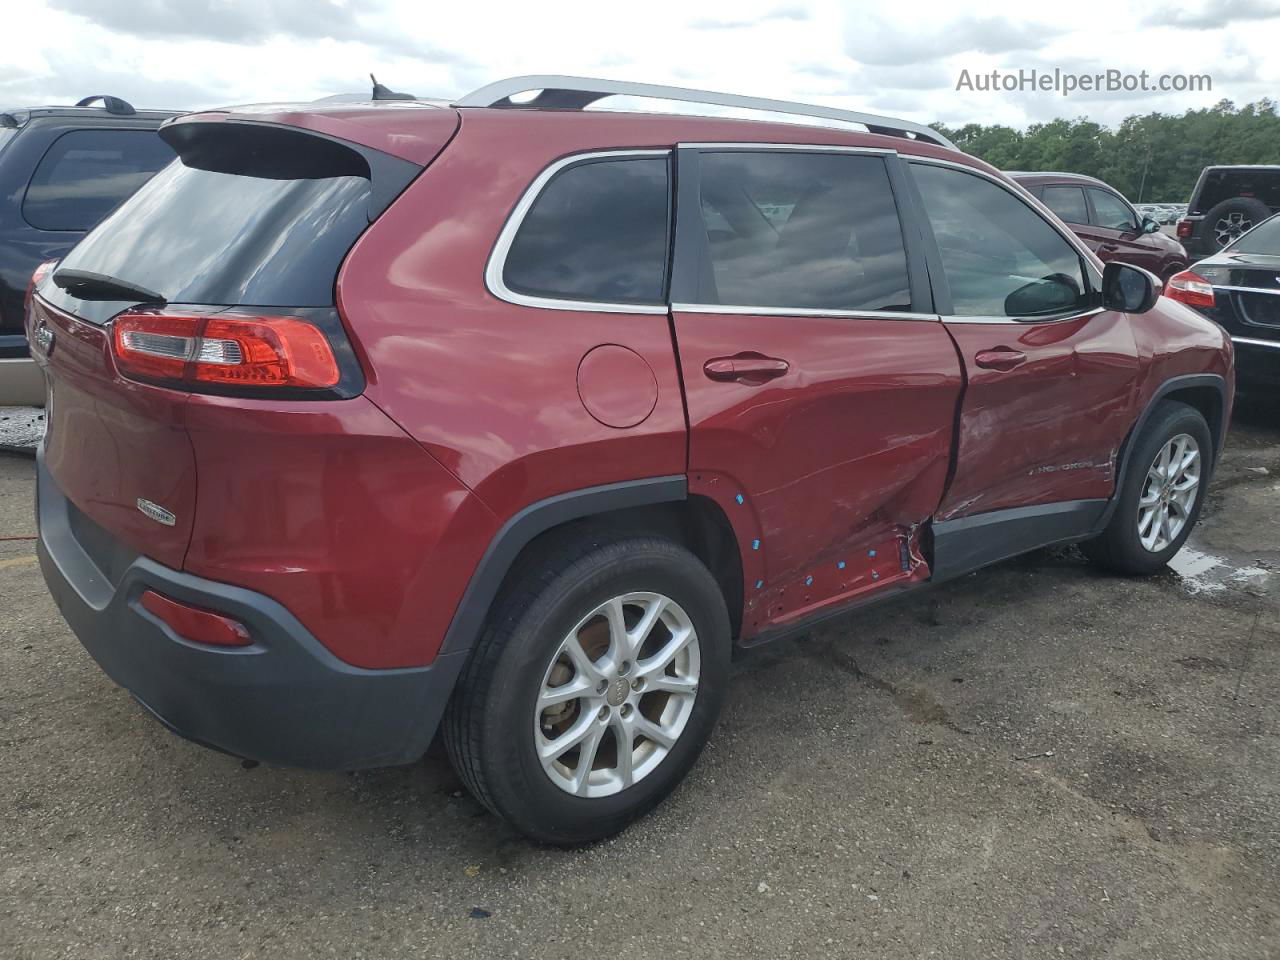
(514, 419)
(1226, 203)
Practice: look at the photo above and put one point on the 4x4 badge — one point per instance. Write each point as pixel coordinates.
(156, 512)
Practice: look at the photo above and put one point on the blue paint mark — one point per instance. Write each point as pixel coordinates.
(840, 565)
(738, 498)
(808, 581)
(759, 584)
(871, 553)
(755, 544)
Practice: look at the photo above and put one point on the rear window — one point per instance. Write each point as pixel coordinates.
(597, 232)
(1067, 203)
(85, 173)
(1219, 185)
(1264, 238)
(251, 216)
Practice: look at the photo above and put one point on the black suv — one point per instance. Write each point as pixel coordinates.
(62, 169)
(1226, 202)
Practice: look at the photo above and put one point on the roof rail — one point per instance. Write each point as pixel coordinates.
(576, 93)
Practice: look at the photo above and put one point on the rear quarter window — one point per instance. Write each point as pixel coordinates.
(597, 232)
(85, 174)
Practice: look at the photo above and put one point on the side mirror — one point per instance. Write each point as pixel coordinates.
(1052, 294)
(1149, 225)
(1129, 289)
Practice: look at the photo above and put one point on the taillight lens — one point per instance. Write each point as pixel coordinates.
(1190, 288)
(40, 273)
(230, 350)
(1184, 229)
(196, 624)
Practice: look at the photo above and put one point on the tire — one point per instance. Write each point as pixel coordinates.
(1121, 548)
(493, 730)
(1230, 218)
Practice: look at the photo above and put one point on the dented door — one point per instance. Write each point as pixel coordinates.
(820, 405)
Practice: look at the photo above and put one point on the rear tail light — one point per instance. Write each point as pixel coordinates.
(40, 273)
(224, 350)
(1190, 288)
(196, 624)
(1185, 229)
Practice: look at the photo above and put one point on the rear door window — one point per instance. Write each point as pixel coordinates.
(85, 174)
(1000, 257)
(1110, 211)
(598, 232)
(1067, 202)
(807, 231)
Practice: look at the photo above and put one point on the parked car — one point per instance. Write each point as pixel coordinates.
(519, 418)
(1228, 202)
(62, 169)
(1106, 222)
(1239, 287)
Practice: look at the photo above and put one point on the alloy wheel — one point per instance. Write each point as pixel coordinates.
(617, 694)
(1230, 227)
(1169, 493)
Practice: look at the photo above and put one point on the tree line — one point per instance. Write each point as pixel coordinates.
(1153, 158)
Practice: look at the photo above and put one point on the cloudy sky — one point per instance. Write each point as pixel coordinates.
(905, 61)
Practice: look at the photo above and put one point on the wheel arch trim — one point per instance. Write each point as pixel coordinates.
(1218, 431)
(529, 522)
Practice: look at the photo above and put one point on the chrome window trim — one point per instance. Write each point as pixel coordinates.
(1092, 311)
(735, 146)
(1075, 242)
(1273, 291)
(798, 311)
(1254, 342)
(496, 266)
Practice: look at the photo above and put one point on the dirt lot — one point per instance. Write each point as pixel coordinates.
(1034, 761)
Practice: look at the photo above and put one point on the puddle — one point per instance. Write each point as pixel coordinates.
(1205, 573)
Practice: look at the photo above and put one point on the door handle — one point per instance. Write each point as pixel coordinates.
(1001, 358)
(748, 368)
(1109, 247)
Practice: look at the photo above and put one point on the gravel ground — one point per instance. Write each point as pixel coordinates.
(1034, 761)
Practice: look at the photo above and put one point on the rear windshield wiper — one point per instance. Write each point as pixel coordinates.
(98, 286)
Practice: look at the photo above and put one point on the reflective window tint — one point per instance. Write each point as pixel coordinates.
(1000, 257)
(86, 173)
(596, 232)
(812, 231)
(1067, 203)
(1111, 211)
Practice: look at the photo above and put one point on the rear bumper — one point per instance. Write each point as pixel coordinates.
(285, 699)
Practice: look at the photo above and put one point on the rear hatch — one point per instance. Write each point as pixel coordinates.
(216, 277)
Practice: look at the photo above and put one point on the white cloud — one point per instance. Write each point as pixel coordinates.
(198, 53)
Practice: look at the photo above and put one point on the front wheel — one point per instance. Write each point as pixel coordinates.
(594, 688)
(1162, 493)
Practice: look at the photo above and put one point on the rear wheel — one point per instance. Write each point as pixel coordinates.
(1162, 493)
(594, 688)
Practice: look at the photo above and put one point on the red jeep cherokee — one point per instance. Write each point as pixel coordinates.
(516, 418)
